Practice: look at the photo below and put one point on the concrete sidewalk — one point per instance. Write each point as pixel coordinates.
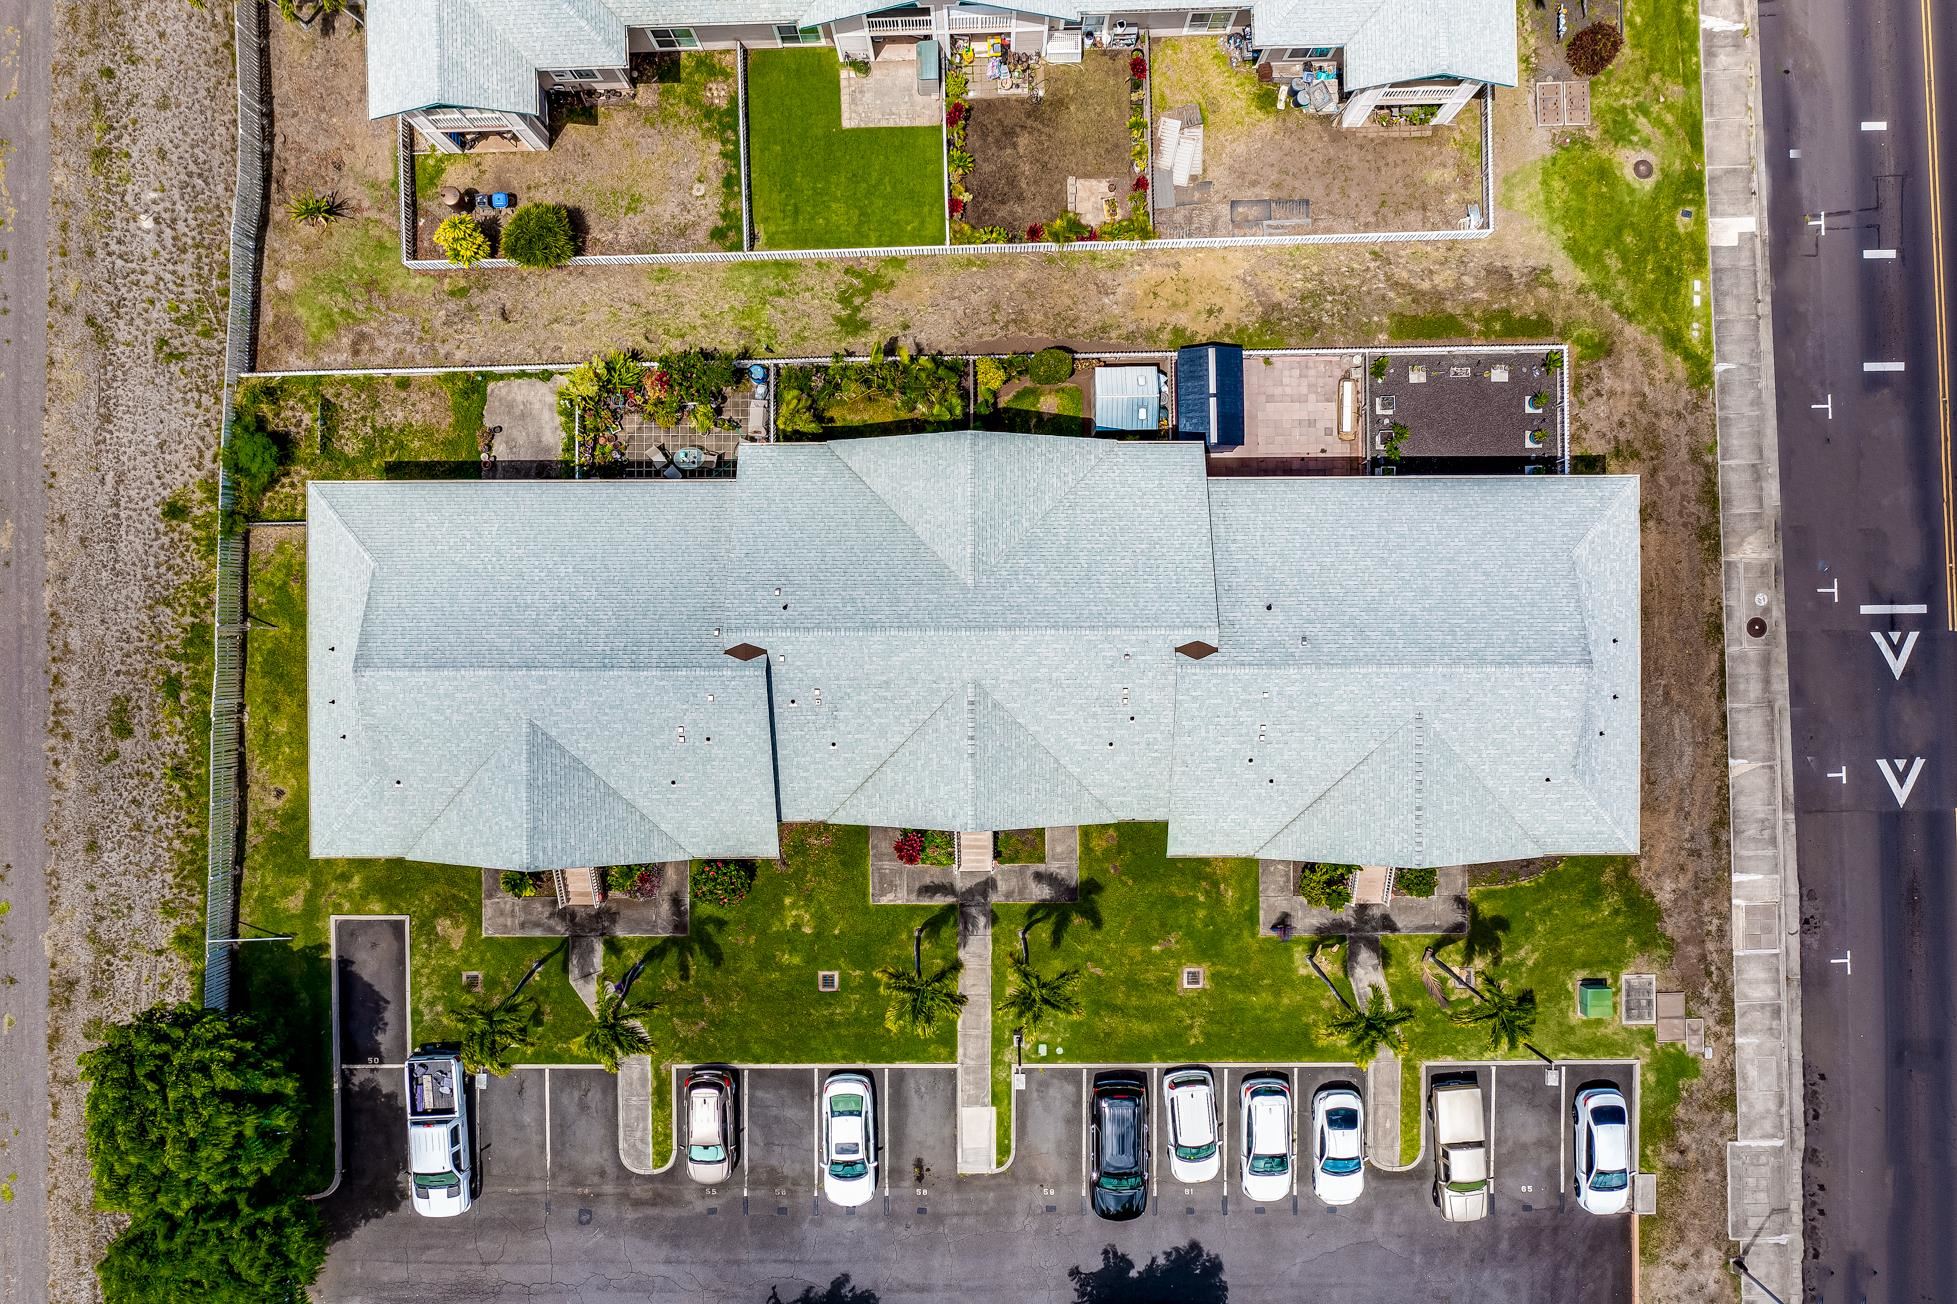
(1763, 1163)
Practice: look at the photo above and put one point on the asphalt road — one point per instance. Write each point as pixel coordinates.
(1864, 481)
(559, 1218)
(24, 101)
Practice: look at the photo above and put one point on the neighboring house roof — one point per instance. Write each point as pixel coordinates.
(974, 631)
(1210, 394)
(482, 54)
(486, 54)
(1398, 40)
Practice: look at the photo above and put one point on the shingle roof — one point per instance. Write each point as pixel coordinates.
(1416, 672)
(974, 631)
(486, 54)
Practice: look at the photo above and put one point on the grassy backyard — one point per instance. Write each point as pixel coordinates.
(1630, 238)
(816, 185)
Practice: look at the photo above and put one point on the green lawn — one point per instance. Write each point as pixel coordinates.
(741, 988)
(366, 428)
(1627, 237)
(1019, 847)
(1586, 918)
(817, 186)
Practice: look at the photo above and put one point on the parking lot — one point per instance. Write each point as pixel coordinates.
(559, 1217)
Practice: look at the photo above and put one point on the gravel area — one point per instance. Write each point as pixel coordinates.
(142, 161)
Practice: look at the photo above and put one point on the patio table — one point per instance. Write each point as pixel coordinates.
(689, 458)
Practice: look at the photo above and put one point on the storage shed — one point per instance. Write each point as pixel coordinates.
(1210, 394)
(1127, 398)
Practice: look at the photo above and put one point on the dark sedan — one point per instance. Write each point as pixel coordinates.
(1117, 1146)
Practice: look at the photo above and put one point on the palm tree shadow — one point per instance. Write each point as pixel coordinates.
(1482, 943)
(934, 924)
(1057, 917)
(696, 943)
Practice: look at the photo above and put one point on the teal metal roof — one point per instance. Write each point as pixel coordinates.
(1127, 398)
(974, 631)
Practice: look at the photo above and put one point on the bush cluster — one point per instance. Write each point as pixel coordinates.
(1328, 887)
(539, 235)
(721, 882)
(1594, 48)
(1417, 882)
(1050, 367)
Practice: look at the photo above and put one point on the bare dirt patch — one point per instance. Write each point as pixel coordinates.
(1365, 179)
(141, 174)
(1024, 148)
(639, 176)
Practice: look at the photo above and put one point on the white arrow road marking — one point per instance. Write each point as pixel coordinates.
(1896, 647)
(1899, 782)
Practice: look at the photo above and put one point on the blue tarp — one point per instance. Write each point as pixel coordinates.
(1210, 394)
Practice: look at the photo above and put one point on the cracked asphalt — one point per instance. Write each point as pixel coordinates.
(560, 1219)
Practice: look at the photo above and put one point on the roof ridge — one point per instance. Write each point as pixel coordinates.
(831, 446)
(903, 742)
(1038, 742)
(1101, 449)
(596, 777)
(1440, 736)
(460, 788)
(1336, 780)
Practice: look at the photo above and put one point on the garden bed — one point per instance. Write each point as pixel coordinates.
(1019, 847)
(885, 396)
(1024, 149)
(657, 172)
(818, 185)
(1368, 179)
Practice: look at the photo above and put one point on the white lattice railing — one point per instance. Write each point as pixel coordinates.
(920, 26)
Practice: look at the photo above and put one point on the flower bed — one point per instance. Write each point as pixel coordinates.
(926, 847)
(675, 390)
(721, 882)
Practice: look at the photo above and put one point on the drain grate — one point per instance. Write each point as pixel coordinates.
(828, 980)
(1193, 977)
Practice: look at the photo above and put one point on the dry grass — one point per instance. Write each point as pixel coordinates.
(141, 192)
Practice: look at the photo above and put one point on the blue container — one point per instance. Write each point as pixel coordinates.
(502, 199)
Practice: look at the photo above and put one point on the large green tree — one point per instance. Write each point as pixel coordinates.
(250, 1252)
(186, 1107)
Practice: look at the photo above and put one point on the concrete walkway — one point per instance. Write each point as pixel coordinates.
(635, 1080)
(1763, 1163)
(977, 1131)
(1366, 970)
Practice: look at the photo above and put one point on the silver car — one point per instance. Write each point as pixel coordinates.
(711, 1129)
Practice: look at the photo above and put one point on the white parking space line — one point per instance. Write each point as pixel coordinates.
(1086, 1090)
(546, 1125)
(815, 1146)
(883, 1130)
(742, 1129)
(1875, 125)
(1882, 366)
(1154, 1160)
(1895, 608)
(1291, 1160)
(1878, 255)
(1563, 1133)
(1223, 1126)
(1494, 1081)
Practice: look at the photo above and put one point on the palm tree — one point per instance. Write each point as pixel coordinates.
(917, 1002)
(617, 1030)
(494, 1034)
(1033, 995)
(1365, 1031)
(1509, 1016)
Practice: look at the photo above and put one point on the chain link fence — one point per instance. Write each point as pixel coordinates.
(228, 618)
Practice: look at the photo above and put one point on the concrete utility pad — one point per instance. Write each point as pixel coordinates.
(526, 411)
(373, 981)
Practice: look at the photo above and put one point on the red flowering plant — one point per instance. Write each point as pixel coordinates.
(1141, 185)
(1035, 231)
(955, 112)
(957, 206)
(909, 846)
(1137, 67)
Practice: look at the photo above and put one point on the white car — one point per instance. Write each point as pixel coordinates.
(849, 1139)
(1189, 1101)
(1266, 1117)
(1338, 1148)
(1601, 1153)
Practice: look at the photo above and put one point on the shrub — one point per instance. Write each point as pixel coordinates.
(1594, 48)
(909, 846)
(640, 882)
(539, 235)
(461, 240)
(252, 457)
(1328, 887)
(1137, 67)
(990, 377)
(1036, 231)
(1066, 228)
(721, 882)
(518, 884)
(1050, 367)
(1380, 365)
(315, 209)
(1419, 882)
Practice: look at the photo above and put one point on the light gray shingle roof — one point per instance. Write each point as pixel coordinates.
(1399, 40)
(481, 54)
(974, 631)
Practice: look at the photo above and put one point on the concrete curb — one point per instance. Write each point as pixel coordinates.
(1763, 1163)
(635, 1114)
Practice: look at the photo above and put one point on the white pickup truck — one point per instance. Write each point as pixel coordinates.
(438, 1134)
(1454, 1120)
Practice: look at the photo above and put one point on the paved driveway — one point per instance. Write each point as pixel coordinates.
(580, 1227)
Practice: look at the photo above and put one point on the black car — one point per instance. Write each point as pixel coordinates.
(1117, 1146)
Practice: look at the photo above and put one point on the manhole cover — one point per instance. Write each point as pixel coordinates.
(1756, 628)
(584, 1217)
(1642, 169)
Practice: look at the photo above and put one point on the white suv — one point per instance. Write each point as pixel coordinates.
(1189, 1101)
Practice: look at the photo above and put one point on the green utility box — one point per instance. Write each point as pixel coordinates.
(1593, 999)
